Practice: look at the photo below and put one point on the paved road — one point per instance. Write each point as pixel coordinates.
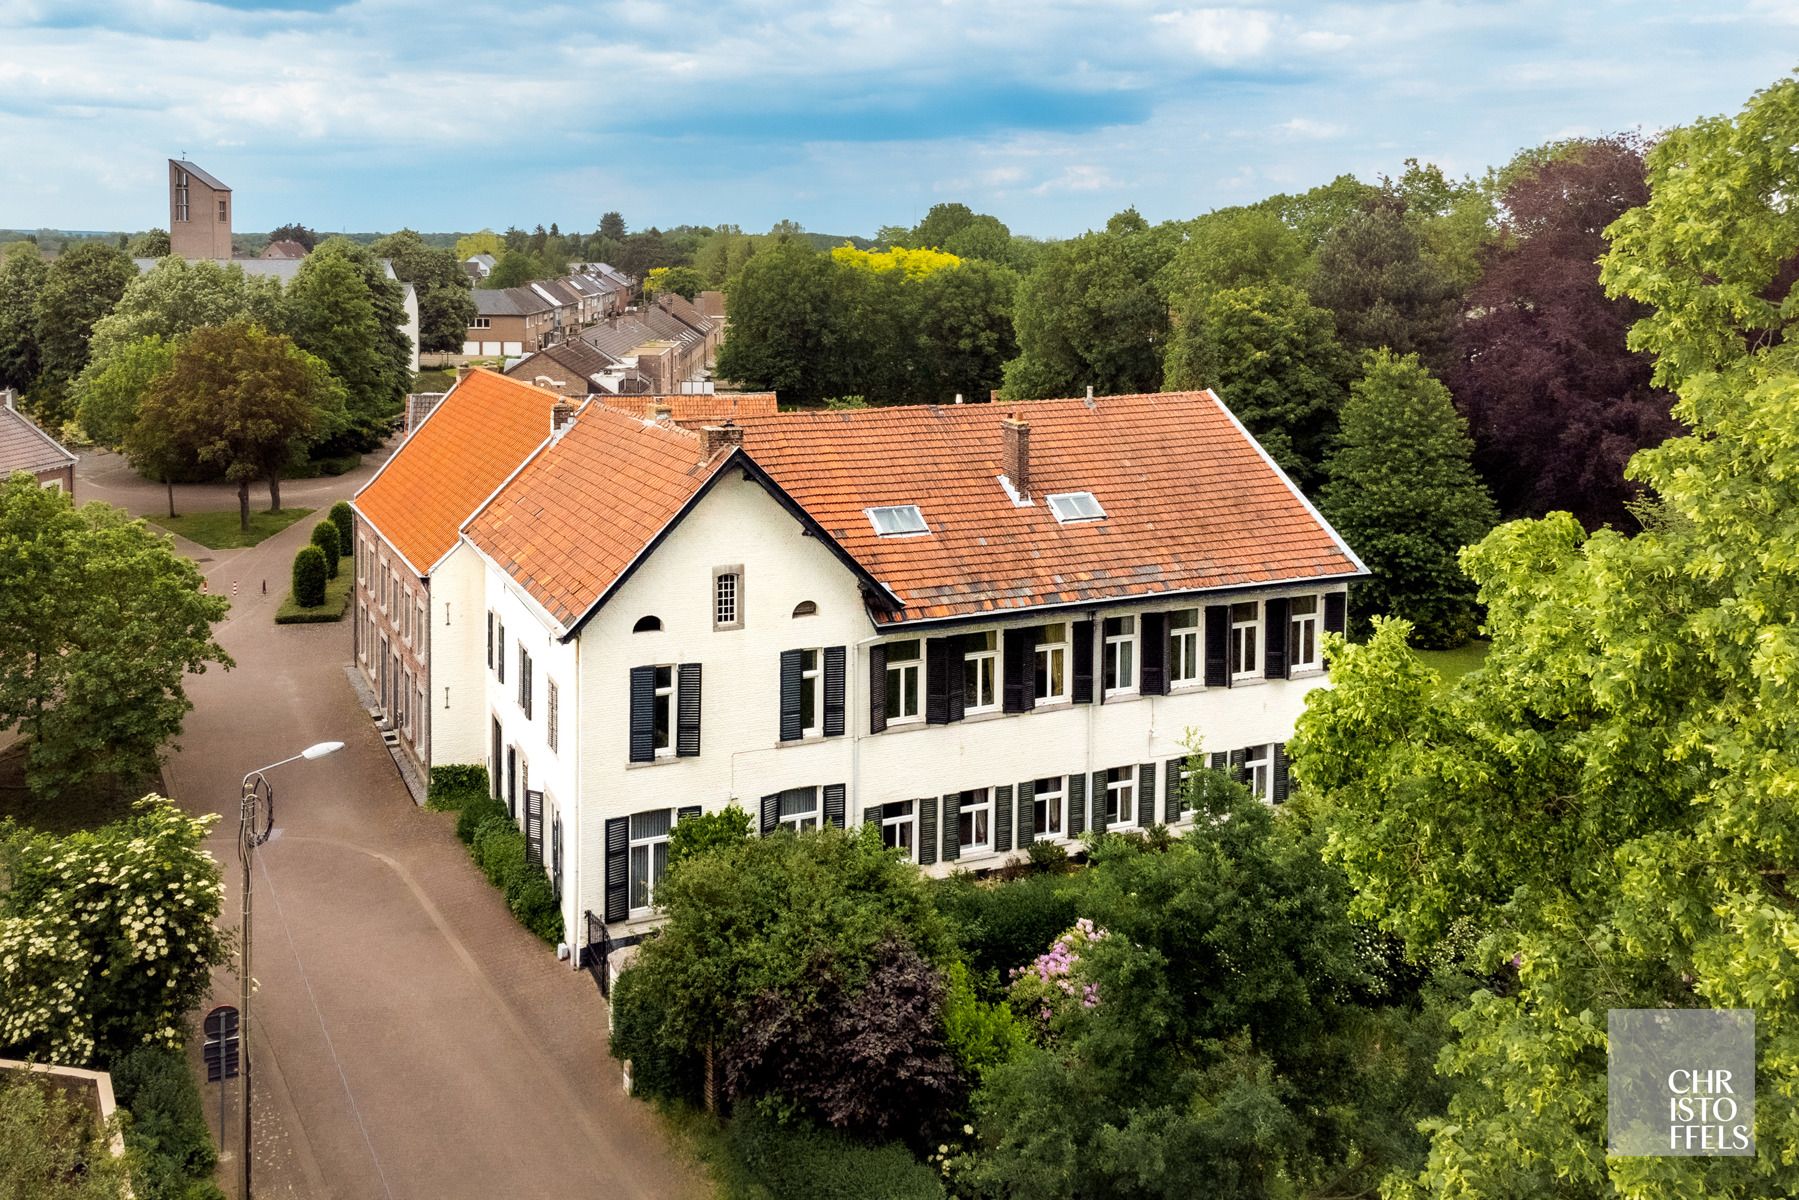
(412, 1041)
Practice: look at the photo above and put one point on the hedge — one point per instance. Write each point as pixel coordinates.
(324, 536)
(342, 516)
(456, 785)
(310, 573)
(799, 1160)
(167, 1132)
(497, 846)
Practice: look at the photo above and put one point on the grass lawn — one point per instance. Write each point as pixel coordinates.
(1453, 664)
(93, 805)
(221, 531)
(434, 379)
(337, 599)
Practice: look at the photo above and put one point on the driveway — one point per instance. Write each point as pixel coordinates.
(410, 1039)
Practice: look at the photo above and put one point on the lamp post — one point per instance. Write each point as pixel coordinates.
(255, 819)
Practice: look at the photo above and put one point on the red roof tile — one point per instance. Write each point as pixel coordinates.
(697, 409)
(475, 437)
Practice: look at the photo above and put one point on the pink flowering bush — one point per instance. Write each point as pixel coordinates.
(1055, 982)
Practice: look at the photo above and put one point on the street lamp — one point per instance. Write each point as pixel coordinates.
(255, 819)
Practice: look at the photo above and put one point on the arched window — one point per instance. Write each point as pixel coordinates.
(647, 625)
(806, 608)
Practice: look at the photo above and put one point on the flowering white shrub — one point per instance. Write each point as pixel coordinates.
(107, 936)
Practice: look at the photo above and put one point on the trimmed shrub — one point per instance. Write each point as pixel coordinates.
(455, 786)
(494, 846)
(342, 516)
(531, 900)
(498, 849)
(798, 1160)
(475, 813)
(1001, 926)
(309, 577)
(324, 536)
(167, 1132)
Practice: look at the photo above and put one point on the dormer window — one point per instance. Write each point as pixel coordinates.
(1071, 507)
(897, 520)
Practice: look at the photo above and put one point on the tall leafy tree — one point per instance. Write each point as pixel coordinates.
(1373, 276)
(1233, 248)
(612, 226)
(152, 243)
(786, 332)
(1274, 359)
(446, 307)
(294, 232)
(176, 295)
(1556, 400)
(239, 402)
(485, 241)
(100, 621)
(1404, 494)
(342, 307)
(110, 389)
(80, 287)
(964, 324)
(21, 279)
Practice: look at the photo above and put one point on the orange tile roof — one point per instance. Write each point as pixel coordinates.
(474, 438)
(690, 410)
(571, 523)
(1191, 502)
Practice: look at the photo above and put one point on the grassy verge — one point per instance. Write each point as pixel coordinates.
(1453, 664)
(95, 803)
(221, 531)
(337, 600)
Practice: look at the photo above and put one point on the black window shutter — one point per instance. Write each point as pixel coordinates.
(938, 653)
(834, 805)
(927, 830)
(877, 688)
(1171, 795)
(1218, 640)
(556, 857)
(790, 695)
(1002, 817)
(834, 660)
(958, 703)
(687, 714)
(952, 827)
(643, 714)
(490, 639)
(771, 813)
(534, 828)
(618, 846)
(1081, 649)
(1077, 804)
(1219, 760)
(1335, 610)
(1274, 636)
(1153, 650)
(1239, 769)
(1020, 693)
(1280, 773)
(1146, 795)
(499, 651)
(1027, 813)
(1097, 821)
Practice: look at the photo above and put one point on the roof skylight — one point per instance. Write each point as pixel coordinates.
(1076, 506)
(897, 519)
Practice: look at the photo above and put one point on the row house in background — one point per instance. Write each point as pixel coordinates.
(524, 319)
(968, 626)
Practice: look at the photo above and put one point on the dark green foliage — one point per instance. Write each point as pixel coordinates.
(473, 813)
(344, 517)
(1404, 494)
(498, 848)
(80, 287)
(794, 1160)
(1002, 926)
(454, 785)
(324, 536)
(310, 573)
(658, 1071)
(710, 831)
(342, 307)
(786, 329)
(446, 304)
(167, 1132)
(21, 278)
(1373, 277)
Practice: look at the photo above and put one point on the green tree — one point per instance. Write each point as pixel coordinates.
(51, 1148)
(1234, 248)
(682, 281)
(515, 268)
(310, 573)
(344, 517)
(324, 537)
(342, 307)
(294, 232)
(80, 287)
(152, 243)
(964, 329)
(1316, 213)
(1374, 278)
(484, 242)
(1089, 314)
(107, 936)
(21, 279)
(239, 402)
(110, 389)
(707, 833)
(99, 623)
(1274, 359)
(612, 226)
(787, 332)
(1404, 494)
(176, 295)
(446, 305)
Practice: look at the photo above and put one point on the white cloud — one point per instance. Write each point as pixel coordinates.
(1221, 35)
(1080, 177)
(1307, 129)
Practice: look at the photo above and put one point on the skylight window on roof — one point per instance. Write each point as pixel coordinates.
(1076, 506)
(897, 519)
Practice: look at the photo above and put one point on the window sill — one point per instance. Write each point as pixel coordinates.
(1049, 705)
(1120, 697)
(810, 739)
(1238, 681)
(1306, 672)
(655, 762)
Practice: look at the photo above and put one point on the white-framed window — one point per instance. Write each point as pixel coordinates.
(1121, 795)
(799, 809)
(419, 620)
(812, 698)
(1246, 639)
(490, 639)
(649, 857)
(499, 650)
(553, 701)
(1050, 673)
(1258, 771)
(1048, 798)
(1121, 655)
(980, 673)
(402, 696)
(663, 726)
(896, 826)
(1069, 507)
(727, 598)
(902, 681)
(1185, 666)
(481, 323)
(1182, 804)
(362, 564)
(524, 680)
(221, 210)
(1302, 633)
(974, 820)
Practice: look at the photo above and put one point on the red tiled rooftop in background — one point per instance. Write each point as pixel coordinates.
(1190, 502)
(476, 436)
(697, 409)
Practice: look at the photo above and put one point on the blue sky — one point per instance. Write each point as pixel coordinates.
(844, 115)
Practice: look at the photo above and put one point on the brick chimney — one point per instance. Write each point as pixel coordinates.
(1017, 435)
(463, 372)
(714, 438)
(561, 413)
(661, 411)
